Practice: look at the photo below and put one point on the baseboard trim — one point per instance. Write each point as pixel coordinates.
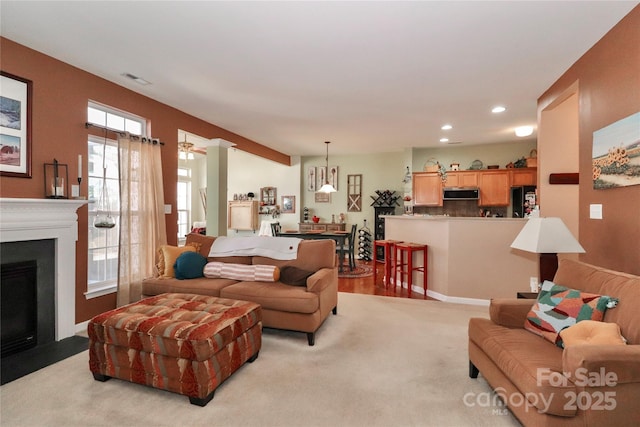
(82, 327)
(445, 298)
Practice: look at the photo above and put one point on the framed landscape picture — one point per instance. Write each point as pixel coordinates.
(288, 204)
(616, 154)
(15, 126)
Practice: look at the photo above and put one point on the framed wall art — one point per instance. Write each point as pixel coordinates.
(323, 197)
(321, 175)
(15, 126)
(311, 178)
(616, 154)
(333, 176)
(288, 204)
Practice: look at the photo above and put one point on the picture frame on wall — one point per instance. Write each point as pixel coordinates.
(333, 176)
(320, 176)
(323, 197)
(311, 178)
(15, 125)
(288, 204)
(615, 154)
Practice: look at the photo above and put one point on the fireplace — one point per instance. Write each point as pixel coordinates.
(28, 294)
(55, 221)
(19, 313)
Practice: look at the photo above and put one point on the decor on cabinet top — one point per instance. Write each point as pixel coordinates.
(433, 165)
(616, 154)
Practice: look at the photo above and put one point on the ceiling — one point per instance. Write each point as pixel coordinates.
(367, 76)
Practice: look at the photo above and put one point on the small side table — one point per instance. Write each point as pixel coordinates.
(527, 295)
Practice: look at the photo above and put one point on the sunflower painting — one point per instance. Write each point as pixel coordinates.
(616, 154)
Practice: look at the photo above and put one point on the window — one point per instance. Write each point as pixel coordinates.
(102, 268)
(184, 203)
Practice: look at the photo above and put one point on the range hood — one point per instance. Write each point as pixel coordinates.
(460, 193)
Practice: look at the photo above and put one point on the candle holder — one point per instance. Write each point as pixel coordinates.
(56, 180)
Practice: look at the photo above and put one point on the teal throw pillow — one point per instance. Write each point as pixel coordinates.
(190, 265)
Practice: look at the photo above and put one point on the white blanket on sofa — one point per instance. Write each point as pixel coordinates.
(282, 248)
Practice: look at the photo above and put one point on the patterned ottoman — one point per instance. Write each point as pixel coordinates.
(184, 343)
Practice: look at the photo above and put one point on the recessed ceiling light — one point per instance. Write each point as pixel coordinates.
(498, 109)
(444, 139)
(446, 127)
(137, 79)
(524, 131)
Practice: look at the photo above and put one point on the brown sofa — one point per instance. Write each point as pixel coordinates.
(296, 308)
(545, 385)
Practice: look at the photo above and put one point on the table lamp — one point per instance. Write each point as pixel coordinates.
(547, 237)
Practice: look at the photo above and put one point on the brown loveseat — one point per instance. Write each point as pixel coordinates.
(297, 308)
(580, 385)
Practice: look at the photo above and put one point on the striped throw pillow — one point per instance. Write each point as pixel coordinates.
(254, 273)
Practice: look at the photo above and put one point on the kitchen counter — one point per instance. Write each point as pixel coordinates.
(469, 259)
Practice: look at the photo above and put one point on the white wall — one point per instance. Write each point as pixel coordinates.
(248, 173)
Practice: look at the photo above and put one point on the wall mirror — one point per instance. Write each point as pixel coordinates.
(268, 196)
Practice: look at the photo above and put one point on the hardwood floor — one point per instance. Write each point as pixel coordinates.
(365, 285)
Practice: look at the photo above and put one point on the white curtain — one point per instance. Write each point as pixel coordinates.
(142, 223)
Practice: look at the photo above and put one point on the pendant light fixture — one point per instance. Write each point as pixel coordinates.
(185, 147)
(326, 187)
(103, 215)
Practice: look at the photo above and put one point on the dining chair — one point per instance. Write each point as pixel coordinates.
(276, 228)
(349, 247)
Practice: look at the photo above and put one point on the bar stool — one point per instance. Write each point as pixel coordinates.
(388, 247)
(404, 264)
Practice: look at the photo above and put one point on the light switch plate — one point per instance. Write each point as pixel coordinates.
(167, 209)
(75, 191)
(595, 211)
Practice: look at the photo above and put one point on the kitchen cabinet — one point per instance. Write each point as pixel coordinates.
(243, 215)
(494, 187)
(321, 226)
(524, 176)
(462, 179)
(427, 189)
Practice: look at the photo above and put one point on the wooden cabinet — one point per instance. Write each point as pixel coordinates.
(427, 189)
(243, 215)
(495, 188)
(322, 226)
(524, 176)
(462, 179)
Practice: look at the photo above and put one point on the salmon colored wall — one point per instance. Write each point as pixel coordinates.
(59, 111)
(609, 90)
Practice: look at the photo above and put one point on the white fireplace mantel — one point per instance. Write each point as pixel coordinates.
(36, 219)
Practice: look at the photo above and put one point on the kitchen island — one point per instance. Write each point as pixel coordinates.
(469, 259)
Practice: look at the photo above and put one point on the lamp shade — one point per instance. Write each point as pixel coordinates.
(327, 188)
(546, 235)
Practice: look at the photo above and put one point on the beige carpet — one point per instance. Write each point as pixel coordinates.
(380, 362)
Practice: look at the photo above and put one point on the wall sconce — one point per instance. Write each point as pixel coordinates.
(56, 179)
(547, 237)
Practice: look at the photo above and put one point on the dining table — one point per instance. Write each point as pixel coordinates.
(341, 238)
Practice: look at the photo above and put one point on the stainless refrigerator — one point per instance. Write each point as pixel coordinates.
(523, 199)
